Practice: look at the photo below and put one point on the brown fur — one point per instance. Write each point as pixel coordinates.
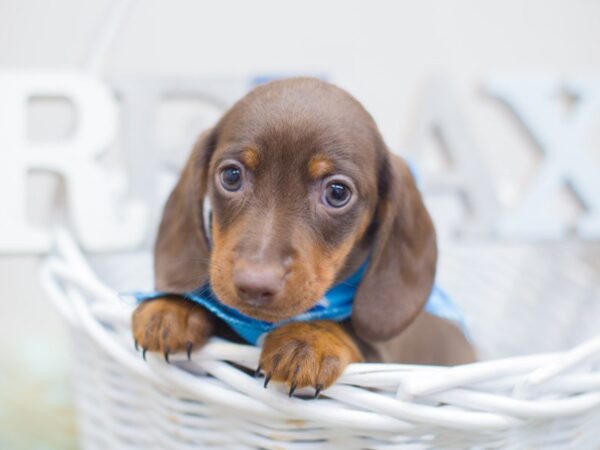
(308, 354)
(320, 166)
(250, 158)
(171, 325)
(289, 138)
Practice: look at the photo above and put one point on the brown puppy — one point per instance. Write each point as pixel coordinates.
(303, 190)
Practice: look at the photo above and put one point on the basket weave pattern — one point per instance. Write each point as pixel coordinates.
(545, 400)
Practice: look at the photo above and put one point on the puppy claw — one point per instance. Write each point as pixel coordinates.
(292, 390)
(267, 379)
(257, 371)
(307, 354)
(189, 346)
(318, 390)
(144, 350)
(136, 345)
(171, 325)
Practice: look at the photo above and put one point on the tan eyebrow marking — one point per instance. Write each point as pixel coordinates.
(319, 166)
(250, 158)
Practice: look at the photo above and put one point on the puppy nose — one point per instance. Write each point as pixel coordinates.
(258, 285)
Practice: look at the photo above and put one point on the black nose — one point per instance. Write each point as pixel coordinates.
(257, 284)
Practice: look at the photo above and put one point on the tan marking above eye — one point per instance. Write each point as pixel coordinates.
(320, 166)
(250, 158)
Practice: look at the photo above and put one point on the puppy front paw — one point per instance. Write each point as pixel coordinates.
(307, 354)
(171, 325)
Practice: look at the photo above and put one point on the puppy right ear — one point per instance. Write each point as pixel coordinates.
(402, 267)
(181, 252)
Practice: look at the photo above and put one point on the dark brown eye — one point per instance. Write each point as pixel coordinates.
(337, 194)
(231, 178)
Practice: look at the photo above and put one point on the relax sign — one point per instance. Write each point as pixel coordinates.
(100, 222)
(108, 208)
(113, 209)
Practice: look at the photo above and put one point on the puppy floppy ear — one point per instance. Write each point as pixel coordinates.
(402, 266)
(181, 252)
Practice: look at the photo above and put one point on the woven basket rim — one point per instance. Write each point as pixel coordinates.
(389, 398)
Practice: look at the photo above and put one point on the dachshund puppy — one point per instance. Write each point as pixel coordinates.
(303, 192)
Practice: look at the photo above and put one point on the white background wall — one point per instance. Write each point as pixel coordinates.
(381, 51)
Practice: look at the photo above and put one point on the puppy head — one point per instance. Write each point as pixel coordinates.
(302, 189)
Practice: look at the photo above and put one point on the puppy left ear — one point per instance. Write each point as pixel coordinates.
(402, 266)
(181, 252)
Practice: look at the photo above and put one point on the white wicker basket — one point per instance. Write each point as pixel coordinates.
(546, 400)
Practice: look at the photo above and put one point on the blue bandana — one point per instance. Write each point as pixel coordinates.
(336, 305)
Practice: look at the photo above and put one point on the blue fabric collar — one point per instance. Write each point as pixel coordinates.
(336, 305)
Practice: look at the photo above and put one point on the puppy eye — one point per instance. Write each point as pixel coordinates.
(231, 178)
(337, 194)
